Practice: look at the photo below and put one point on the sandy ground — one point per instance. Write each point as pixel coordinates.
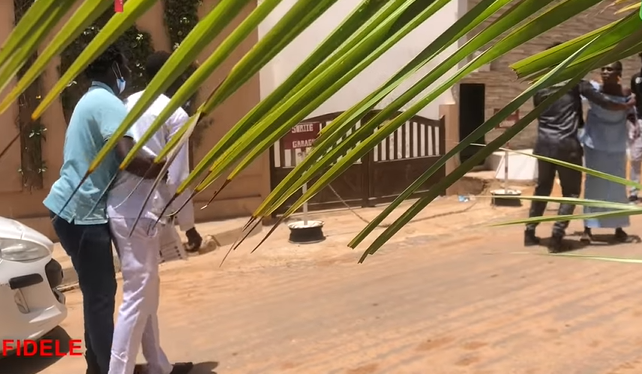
(447, 295)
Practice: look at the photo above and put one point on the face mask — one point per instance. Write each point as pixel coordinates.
(121, 84)
(120, 81)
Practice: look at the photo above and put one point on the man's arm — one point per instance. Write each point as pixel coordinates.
(591, 94)
(109, 117)
(140, 166)
(179, 170)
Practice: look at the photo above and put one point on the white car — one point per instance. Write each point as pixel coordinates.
(30, 304)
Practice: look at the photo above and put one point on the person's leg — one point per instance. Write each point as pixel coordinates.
(545, 180)
(89, 247)
(571, 183)
(139, 267)
(96, 271)
(156, 359)
(152, 351)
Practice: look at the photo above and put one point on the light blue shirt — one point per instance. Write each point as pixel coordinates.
(606, 130)
(95, 118)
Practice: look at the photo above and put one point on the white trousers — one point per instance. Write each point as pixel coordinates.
(137, 322)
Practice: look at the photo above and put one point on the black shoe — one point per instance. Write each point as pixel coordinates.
(182, 368)
(530, 239)
(556, 244)
(587, 236)
(621, 236)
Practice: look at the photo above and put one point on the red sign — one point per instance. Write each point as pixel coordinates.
(508, 121)
(301, 136)
(118, 6)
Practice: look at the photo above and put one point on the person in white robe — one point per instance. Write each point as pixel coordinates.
(140, 253)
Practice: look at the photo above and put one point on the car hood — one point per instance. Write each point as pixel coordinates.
(12, 229)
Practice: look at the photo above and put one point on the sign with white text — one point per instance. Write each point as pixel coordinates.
(301, 136)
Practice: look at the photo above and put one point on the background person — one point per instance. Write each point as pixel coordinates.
(605, 141)
(635, 142)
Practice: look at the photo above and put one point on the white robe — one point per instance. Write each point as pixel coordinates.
(140, 253)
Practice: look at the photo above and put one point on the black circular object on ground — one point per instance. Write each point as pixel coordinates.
(506, 198)
(500, 201)
(306, 234)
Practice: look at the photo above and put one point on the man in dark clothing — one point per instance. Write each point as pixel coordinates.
(636, 88)
(557, 138)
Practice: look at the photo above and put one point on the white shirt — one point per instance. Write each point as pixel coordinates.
(118, 205)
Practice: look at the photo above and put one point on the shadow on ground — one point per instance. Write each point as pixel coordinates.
(599, 240)
(569, 244)
(35, 364)
(609, 239)
(204, 367)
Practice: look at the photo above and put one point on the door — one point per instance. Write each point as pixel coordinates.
(472, 105)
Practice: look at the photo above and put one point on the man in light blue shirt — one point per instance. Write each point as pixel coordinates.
(83, 232)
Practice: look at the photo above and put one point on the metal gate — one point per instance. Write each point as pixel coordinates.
(381, 175)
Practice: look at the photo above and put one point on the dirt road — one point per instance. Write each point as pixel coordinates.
(449, 303)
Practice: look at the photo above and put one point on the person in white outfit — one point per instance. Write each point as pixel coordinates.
(139, 253)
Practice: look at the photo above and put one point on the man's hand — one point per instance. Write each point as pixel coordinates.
(142, 165)
(194, 240)
(631, 102)
(155, 170)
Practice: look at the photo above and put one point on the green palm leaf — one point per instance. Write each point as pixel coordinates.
(214, 61)
(31, 21)
(577, 201)
(623, 260)
(571, 217)
(12, 63)
(84, 16)
(200, 36)
(301, 76)
(115, 27)
(194, 43)
(346, 120)
(310, 97)
(533, 28)
(580, 168)
(545, 60)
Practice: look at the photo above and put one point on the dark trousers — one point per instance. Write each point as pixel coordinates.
(570, 180)
(89, 247)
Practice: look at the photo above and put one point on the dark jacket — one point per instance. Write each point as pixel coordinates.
(558, 124)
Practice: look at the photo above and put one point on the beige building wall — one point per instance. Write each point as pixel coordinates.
(502, 85)
(240, 198)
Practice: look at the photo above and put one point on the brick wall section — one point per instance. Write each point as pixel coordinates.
(502, 85)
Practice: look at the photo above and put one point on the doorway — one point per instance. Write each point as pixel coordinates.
(472, 105)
